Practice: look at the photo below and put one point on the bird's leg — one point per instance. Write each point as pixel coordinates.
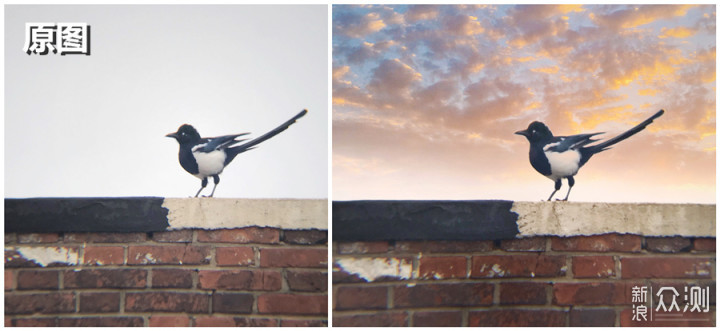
(216, 179)
(558, 184)
(571, 182)
(204, 183)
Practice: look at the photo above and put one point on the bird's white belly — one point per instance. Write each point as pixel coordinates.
(209, 163)
(563, 164)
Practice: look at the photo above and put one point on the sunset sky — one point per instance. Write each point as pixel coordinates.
(426, 100)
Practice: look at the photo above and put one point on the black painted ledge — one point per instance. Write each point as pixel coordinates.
(42, 215)
(423, 220)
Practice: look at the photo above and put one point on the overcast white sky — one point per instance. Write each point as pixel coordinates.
(79, 125)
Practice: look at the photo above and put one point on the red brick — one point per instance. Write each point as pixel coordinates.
(443, 246)
(371, 247)
(668, 244)
(592, 317)
(503, 266)
(172, 278)
(175, 236)
(48, 303)
(37, 280)
(704, 244)
(167, 302)
(382, 319)
(234, 256)
(172, 254)
(169, 321)
(255, 280)
(593, 266)
(99, 302)
(293, 257)
(443, 295)
(9, 280)
(33, 322)
(107, 237)
(305, 237)
(523, 293)
(292, 304)
(303, 323)
(236, 303)
(693, 319)
(104, 255)
(307, 281)
(612, 242)
(37, 238)
(101, 322)
(255, 322)
(571, 294)
(360, 297)
(516, 318)
(105, 278)
(214, 321)
(443, 267)
(531, 244)
(666, 267)
(242, 235)
(437, 319)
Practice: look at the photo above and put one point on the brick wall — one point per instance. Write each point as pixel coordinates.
(251, 276)
(533, 281)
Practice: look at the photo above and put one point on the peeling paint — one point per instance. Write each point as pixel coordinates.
(496, 271)
(45, 256)
(237, 213)
(371, 269)
(584, 218)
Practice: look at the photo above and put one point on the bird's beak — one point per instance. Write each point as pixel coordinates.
(523, 133)
(171, 135)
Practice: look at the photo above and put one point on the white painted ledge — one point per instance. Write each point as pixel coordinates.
(214, 213)
(576, 218)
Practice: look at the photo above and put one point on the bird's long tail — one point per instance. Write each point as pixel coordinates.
(607, 143)
(233, 151)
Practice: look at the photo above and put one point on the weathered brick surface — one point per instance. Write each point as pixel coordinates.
(382, 319)
(583, 281)
(437, 319)
(293, 304)
(504, 266)
(104, 302)
(523, 293)
(517, 318)
(292, 257)
(593, 266)
(360, 297)
(443, 295)
(600, 243)
(443, 267)
(235, 256)
(307, 281)
(245, 235)
(172, 278)
(104, 255)
(248, 280)
(105, 278)
(168, 279)
(37, 280)
(167, 302)
(175, 254)
(305, 237)
(666, 267)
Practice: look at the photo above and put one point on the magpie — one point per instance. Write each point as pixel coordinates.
(562, 157)
(207, 157)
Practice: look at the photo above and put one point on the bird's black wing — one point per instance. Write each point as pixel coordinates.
(215, 143)
(562, 144)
